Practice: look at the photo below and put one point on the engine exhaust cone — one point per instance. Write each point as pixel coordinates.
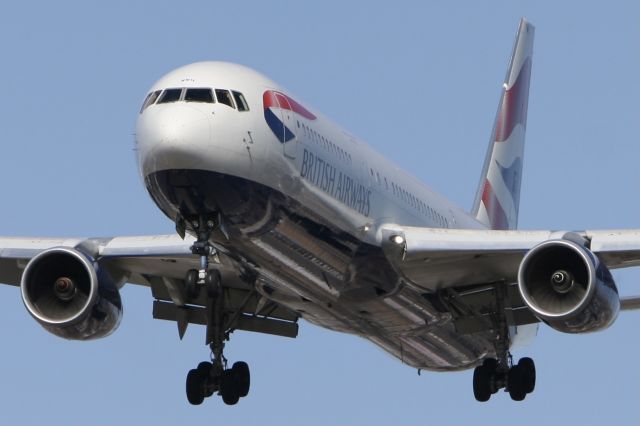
(64, 288)
(562, 281)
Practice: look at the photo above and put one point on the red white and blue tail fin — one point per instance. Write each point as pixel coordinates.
(498, 195)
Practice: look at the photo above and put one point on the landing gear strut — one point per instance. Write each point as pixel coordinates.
(495, 374)
(214, 376)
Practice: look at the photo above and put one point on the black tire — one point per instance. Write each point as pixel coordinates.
(195, 387)
(191, 283)
(204, 368)
(490, 363)
(516, 383)
(229, 388)
(481, 384)
(243, 377)
(530, 373)
(212, 281)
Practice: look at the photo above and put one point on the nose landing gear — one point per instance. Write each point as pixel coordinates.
(214, 376)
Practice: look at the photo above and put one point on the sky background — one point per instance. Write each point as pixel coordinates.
(420, 82)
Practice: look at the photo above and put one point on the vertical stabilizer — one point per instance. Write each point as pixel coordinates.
(498, 195)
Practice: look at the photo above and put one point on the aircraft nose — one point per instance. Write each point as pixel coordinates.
(171, 137)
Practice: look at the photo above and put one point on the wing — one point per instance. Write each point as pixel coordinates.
(436, 258)
(460, 266)
(161, 262)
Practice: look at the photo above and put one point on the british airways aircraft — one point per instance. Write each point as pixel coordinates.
(281, 214)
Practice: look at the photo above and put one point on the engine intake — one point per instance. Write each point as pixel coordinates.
(566, 286)
(69, 295)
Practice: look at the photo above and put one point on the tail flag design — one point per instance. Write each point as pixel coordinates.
(498, 196)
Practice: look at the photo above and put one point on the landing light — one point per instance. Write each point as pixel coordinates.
(398, 239)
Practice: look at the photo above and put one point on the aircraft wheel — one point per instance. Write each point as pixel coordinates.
(530, 373)
(212, 281)
(191, 283)
(204, 368)
(517, 382)
(491, 365)
(229, 387)
(481, 383)
(243, 377)
(195, 387)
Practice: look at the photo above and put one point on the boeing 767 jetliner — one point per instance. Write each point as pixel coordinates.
(280, 215)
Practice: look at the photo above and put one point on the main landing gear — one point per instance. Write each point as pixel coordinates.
(519, 379)
(214, 376)
(210, 377)
(495, 374)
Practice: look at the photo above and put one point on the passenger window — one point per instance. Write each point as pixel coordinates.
(240, 101)
(224, 97)
(150, 99)
(199, 95)
(170, 95)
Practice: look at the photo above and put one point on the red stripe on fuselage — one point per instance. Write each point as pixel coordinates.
(513, 109)
(271, 98)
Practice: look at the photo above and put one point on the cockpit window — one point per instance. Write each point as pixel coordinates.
(150, 99)
(170, 95)
(224, 97)
(240, 101)
(199, 95)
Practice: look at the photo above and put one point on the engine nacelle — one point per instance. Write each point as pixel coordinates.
(566, 286)
(70, 296)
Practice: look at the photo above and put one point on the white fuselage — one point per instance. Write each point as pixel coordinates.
(324, 179)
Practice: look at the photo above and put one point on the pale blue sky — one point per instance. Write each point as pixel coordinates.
(420, 82)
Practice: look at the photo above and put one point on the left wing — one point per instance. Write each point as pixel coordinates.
(435, 259)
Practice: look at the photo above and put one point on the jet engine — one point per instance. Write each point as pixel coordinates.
(68, 293)
(567, 287)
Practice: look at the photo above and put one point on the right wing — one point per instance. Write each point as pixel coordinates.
(161, 262)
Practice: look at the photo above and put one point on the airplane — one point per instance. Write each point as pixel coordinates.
(280, 214)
